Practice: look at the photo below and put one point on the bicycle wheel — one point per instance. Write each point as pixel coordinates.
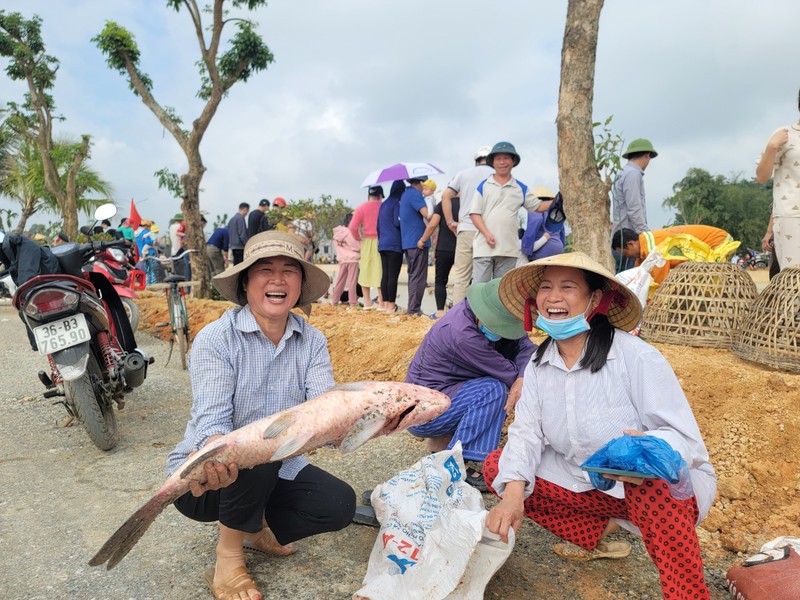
(180, 324)
(182, 343)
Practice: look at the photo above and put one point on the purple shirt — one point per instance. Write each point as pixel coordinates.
(455, 351)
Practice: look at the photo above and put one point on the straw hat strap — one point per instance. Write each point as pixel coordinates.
(528, 319)
(604, 305)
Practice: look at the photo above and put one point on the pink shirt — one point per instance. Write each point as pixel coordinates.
(366, 217)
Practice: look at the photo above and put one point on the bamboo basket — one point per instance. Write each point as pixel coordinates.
(771, 335)
(699, 304)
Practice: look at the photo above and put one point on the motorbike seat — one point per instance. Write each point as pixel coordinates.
(171, 278)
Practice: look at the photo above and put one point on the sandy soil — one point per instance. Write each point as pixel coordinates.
(748, 414)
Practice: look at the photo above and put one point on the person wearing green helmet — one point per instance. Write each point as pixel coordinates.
(630, 205)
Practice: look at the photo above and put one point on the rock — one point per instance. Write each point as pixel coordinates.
(733, 541)
(735, 487)
(714, 521)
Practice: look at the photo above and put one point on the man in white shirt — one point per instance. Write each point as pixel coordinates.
(463, 186)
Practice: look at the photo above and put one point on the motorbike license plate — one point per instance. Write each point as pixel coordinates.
(62, 334)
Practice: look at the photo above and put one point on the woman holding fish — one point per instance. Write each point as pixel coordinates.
(254, 361)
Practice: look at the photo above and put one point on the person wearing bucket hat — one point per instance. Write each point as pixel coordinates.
(630, 205)
(495, 209)
(475, 354)
(255, 360)
(588, 383)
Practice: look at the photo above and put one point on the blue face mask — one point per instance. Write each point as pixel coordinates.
(563, 329)
(489, 334)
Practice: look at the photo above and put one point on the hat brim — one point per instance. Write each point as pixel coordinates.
(315, 281)
(522, 283)
(485, 302)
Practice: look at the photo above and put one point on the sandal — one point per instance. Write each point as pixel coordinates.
(238, 581)
(476, 480)
(605, 549)
(273, 546)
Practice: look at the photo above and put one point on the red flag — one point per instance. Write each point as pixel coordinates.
(134, 219)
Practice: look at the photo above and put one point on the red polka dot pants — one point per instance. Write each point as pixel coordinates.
(667, 525)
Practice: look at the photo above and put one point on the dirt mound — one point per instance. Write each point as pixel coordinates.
(748, 414)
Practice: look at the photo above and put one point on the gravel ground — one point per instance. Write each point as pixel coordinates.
(63, 498)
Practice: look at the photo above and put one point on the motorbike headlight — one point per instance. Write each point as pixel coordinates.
(117, 254)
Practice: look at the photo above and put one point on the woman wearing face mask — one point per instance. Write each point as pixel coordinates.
(475, 354)
(589, 383)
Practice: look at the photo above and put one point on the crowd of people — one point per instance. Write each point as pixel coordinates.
(485, 223)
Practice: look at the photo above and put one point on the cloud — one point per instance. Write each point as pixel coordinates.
(359, 85)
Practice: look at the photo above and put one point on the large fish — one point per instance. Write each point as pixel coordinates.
(346, 416)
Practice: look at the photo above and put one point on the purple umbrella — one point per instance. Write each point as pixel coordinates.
(403, 170)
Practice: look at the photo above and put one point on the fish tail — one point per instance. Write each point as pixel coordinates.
(125, 538)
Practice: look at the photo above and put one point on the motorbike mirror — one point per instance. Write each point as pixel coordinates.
(105, 211)
(86, 230)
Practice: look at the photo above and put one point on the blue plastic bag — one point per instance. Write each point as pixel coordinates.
(641, 453)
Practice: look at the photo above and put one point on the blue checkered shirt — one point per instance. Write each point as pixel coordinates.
(239, 376)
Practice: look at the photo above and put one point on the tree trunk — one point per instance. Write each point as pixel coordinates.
(586, 200)
(194, 227)
(69, 208)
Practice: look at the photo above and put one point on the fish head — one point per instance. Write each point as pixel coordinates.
(421, 405)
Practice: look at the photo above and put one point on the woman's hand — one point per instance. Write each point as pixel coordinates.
(216, 474)
(513, 395)
(626, 478)
(504, 516)
(779, 138)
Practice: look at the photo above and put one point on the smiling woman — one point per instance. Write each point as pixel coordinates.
(256, 360)
(589, 383)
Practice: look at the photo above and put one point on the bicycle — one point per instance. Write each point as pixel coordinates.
(175, 283)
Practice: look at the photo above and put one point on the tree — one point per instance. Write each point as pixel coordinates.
(22, 179)
(21, 42)
(219, 71)
(740, 207)
(585, 192)
(318, 217)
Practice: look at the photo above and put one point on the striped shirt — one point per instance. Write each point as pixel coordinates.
(239, 376)
(565, 415)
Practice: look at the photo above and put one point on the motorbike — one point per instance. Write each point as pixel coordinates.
(113, 264)
(79, 322)
(7, 285)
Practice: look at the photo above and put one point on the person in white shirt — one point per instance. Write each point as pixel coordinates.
(589, 383)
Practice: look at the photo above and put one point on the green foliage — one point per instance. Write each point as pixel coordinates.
(220, 221)
(321, 215)
(739, 206)
(7, 216)
(21, 42)
(248, 54)
(607, 150)
(119, 46)
(169, 181)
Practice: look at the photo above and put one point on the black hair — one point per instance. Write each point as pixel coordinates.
(244, 205)
(347, 218)
(105, 222)
(398, 187)
(621, 237)
(633, 155)
(601, 334)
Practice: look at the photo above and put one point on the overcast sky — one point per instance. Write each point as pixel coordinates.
(361, 84)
